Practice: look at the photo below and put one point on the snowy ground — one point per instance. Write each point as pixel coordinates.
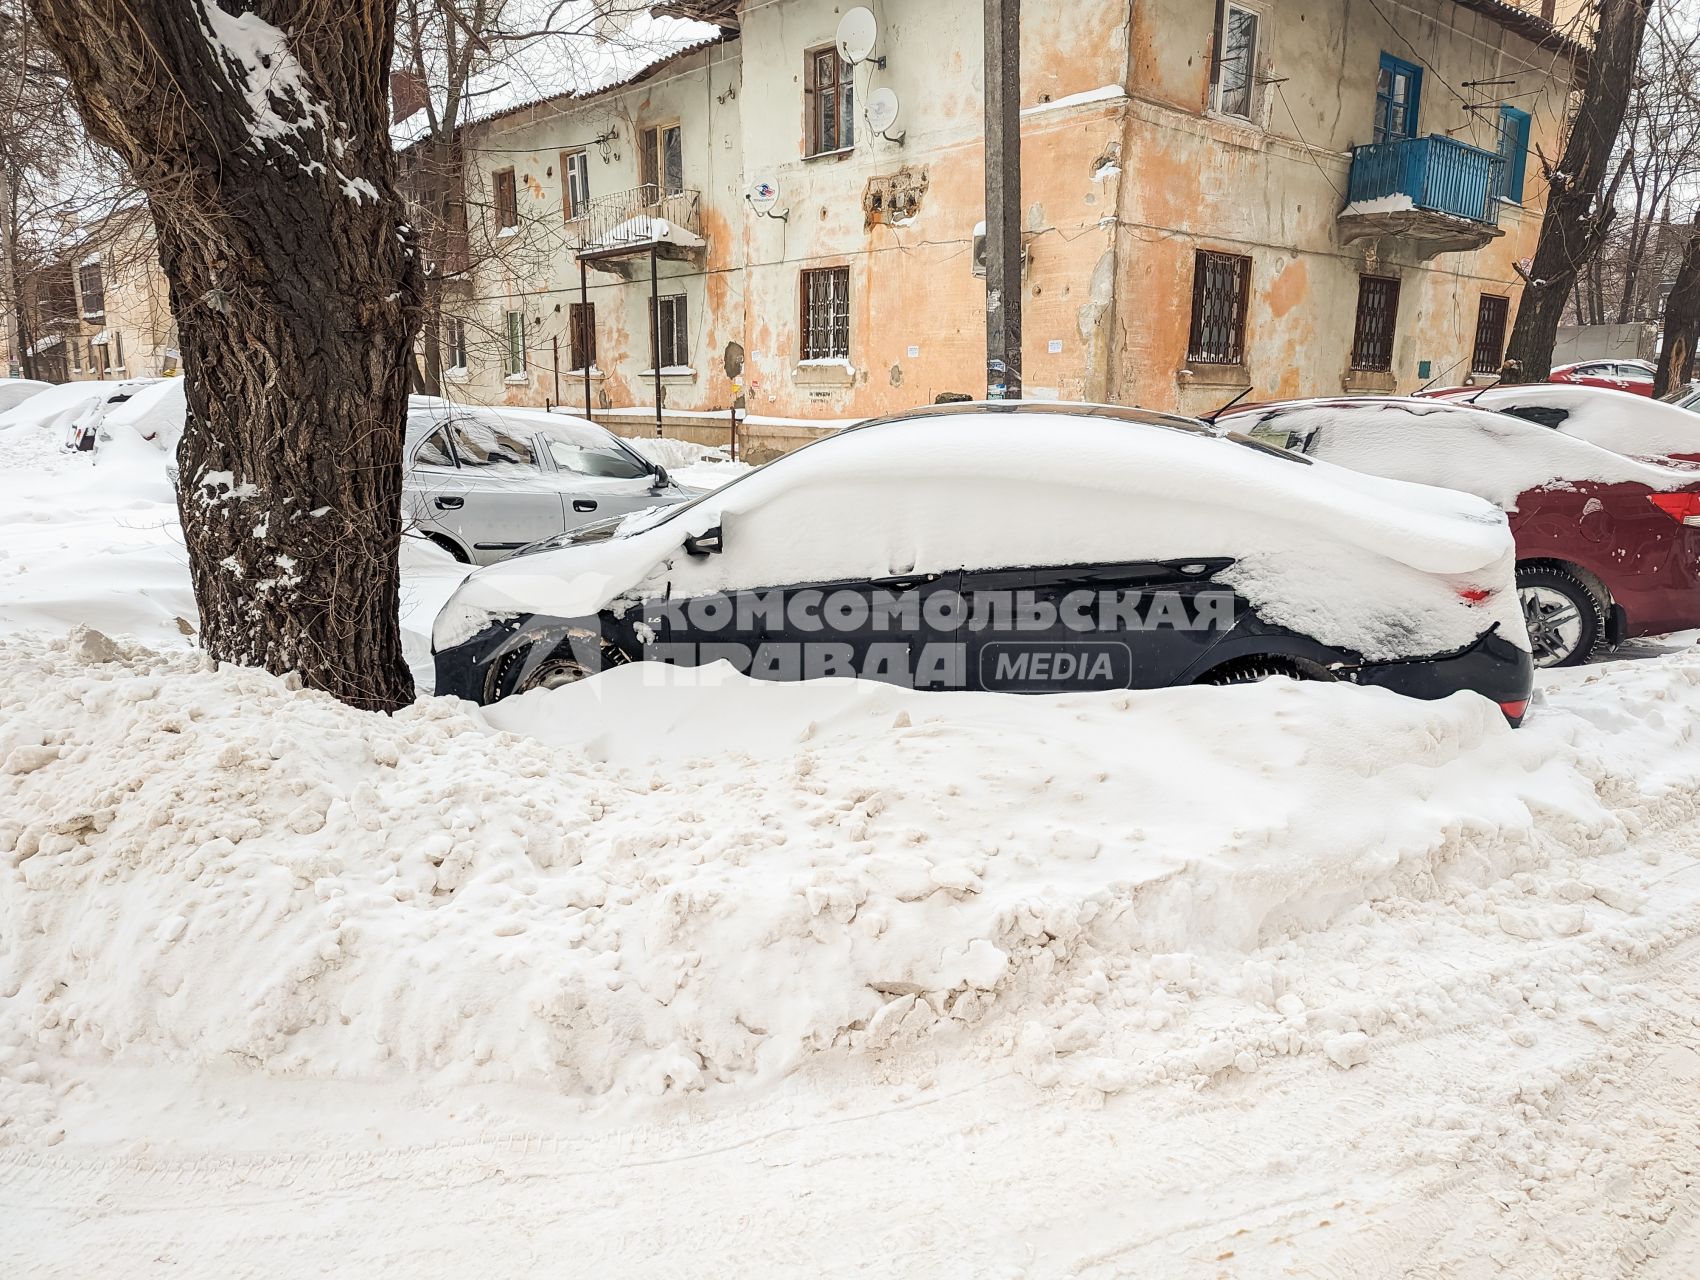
(674, 974)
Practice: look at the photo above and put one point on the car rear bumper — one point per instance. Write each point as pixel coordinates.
(1493, 667)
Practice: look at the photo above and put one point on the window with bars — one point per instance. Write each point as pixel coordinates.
(1489, 352)
(575, 183)
(581, 335)
(826, 314)
(1378, 316)
(671, 341)
(506, 197)
(829, 91)
(1221, 287)
(93, 288)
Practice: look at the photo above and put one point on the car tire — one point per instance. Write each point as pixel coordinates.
(451, 546)
(1566, 621)
(561, 667)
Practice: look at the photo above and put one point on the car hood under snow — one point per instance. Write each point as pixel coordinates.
(1316, 547)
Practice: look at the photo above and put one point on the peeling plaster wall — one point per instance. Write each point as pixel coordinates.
(1126, 176)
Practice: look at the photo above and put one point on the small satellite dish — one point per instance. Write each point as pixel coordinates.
(882, 110)
(857, 31)
(763, 194)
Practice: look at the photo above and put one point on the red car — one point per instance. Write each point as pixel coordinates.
(1608, 547)
(1633, 376)
(1617, 420)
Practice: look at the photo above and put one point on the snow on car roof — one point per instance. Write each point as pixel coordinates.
(1620, 421)
(934, 493)
(1454, 446)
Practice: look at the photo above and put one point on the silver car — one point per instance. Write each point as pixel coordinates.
(483, 482)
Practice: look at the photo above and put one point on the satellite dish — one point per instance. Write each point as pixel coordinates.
(857, 31)
(882, 110)
(763, 194)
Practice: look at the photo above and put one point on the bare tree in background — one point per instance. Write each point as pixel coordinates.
(1580, 202)
(257, 130)
(1682, 321)
(455, 61)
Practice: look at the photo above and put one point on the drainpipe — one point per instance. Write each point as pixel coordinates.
(590, 344)
(655, 329)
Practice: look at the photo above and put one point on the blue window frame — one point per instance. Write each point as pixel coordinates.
(1398, 98)
(1514, 150)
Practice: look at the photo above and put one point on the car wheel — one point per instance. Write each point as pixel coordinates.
(1566, 621)
(1255, 671)
(566, 664)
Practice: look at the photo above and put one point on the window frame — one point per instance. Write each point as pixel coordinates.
(515, 347)
(678, 307)
(1219, 61)
(1513, 149)
(96, 313)
(835, 327)
(1199, 348)
(843, 97)
(575, 195)
(1364, 359)
(1386, 101)
(453, 341)
(581, 328)
(653, 159)
(504, 198)
(1477, 348)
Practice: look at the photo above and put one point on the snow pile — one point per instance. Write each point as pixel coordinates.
(58, 406)
(696, 466)
(847, 509)
(1632, 425)
(1398, 202)
(14, 391)
(1450, 445)
(689, 880)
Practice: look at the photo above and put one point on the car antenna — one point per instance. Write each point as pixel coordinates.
(1449, 368)
(1211, 417)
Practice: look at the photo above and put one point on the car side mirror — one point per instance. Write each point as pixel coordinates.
(705, 544)
(661, 479)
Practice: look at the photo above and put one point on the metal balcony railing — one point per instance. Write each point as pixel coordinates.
(637, 218)
(1439, 174)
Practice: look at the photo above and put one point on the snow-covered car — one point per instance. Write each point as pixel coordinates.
(1608, 547)
(14, 391)
(1628, 424)
(1633, 376)
(1686, 396)
(1019, 548)
(484, 482)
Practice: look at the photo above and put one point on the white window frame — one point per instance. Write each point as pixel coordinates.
(1254, 112)
(454, 341)
(575, 178)
(513, 331)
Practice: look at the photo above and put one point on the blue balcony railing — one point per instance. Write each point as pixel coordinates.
(1438, 173)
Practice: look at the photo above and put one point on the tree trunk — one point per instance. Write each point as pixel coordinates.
(1577, 215)
(1682, 321)
(258, 130)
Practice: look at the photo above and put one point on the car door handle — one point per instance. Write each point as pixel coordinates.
(584, 504)
(450, 504)
(907, 583)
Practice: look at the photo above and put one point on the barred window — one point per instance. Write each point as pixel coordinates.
(1221, 287)
(1490, 334)
(826, 314)
(1378, 315)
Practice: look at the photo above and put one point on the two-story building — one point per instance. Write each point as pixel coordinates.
(1268, 197)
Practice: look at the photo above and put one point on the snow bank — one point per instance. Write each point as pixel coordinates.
(57, 405)
(1632, 425)
(14, 391)
(662, 881)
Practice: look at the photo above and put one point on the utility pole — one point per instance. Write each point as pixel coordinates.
(1003, 199)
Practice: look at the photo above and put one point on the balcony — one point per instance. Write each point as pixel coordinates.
(617, 233)
(1429, 196)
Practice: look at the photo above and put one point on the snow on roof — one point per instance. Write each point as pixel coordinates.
(580, 53)
(1621, 421)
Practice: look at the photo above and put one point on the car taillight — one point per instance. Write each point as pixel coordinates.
(1684, 508)
(1515, 711)
(1475, 595)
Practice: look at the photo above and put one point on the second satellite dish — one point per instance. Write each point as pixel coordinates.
(857, 31)
(882, 113)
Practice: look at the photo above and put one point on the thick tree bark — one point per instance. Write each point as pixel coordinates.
(1682, 321)
(1577, 215)
(258, 130)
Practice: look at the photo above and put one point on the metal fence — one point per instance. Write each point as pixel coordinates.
(1438, 173)
(627, 218)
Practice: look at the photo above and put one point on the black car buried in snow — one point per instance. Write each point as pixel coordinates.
(1018, 548)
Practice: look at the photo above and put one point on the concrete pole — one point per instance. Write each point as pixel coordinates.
(1003, 199)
